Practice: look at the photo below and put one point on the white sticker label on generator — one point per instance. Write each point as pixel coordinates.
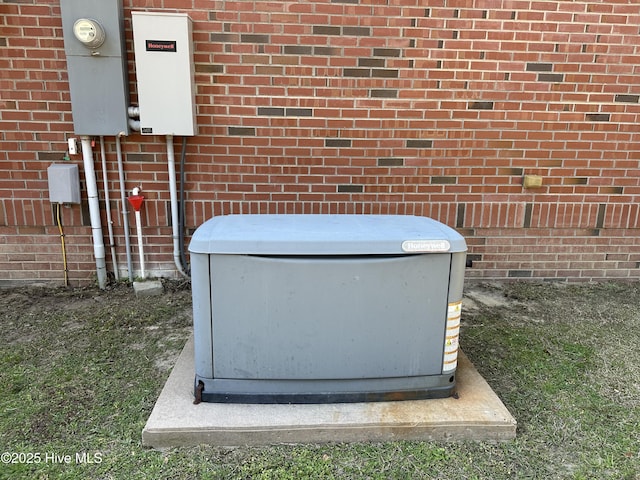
(425, 246)
(450, 358)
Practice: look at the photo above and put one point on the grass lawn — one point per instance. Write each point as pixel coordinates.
(80, 370)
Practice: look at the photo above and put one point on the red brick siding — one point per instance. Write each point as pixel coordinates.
(433, 108)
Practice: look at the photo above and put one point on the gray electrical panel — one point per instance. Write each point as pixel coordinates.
(96, 61)
(64, 183)
(325, 308)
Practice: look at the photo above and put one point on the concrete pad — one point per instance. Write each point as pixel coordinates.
(148, 288)
(478, 414)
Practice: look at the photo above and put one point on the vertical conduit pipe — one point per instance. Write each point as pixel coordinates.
(107, 203)
(123, 204)
(94, 211)
(183, 210)
(171, 161)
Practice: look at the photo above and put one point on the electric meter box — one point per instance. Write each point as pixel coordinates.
(325, 308)
(64, 183)
(97, 67)
(165, 73)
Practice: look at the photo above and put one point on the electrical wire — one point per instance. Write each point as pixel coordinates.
(64, 248)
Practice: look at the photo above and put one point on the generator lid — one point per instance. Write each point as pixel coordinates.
(273, 234)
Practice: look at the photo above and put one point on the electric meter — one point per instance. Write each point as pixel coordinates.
(89, 32)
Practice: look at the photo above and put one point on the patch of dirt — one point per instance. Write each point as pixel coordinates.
(602, 316)
(22, 307)
(482, 295)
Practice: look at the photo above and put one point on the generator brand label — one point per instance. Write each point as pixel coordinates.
(427, 246)
(161, 45)
(452, 333)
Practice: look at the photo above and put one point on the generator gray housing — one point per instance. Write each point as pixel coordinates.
(325, 308)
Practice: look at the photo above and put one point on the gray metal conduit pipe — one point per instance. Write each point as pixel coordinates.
(123, 204)
(173, 192)
(183, 210)
(107, 203)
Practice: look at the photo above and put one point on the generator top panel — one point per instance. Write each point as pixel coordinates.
(325, 235)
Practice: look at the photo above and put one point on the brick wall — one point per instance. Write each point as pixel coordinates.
(426, 107)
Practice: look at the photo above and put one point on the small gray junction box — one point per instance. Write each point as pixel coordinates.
(325, 308)
(64, 183)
